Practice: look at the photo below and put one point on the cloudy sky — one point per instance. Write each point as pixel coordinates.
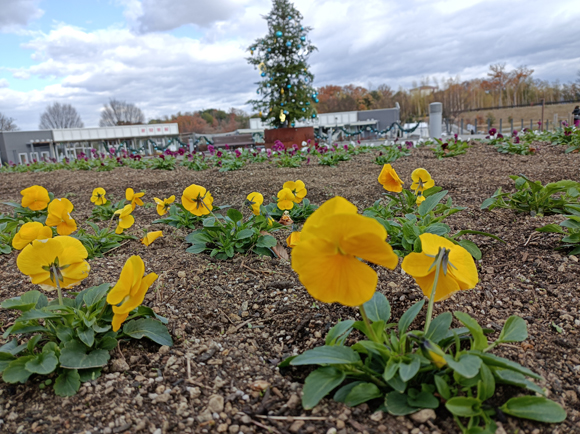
(183, 55)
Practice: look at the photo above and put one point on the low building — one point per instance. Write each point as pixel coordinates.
(26, 146)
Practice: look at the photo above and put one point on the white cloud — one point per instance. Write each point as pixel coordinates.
(4, 83)
(15, 14)
(382, 41)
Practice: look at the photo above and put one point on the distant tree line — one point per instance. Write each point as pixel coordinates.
(209, 121)
(500, 88)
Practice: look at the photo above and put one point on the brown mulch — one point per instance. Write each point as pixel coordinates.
(234, 321)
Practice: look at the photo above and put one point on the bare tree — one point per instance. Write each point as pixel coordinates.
(58, 116)
(7, 124)
(121, 113)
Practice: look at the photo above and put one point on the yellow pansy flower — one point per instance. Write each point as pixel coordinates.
(59, 215)
(285, 199)
(458, 270)
(421, 180)
(254, 200)
(327, 260)
(29, 232)
(163, 205)
(151, 236)
(98, 196)
(293, 239)
(126, 220)
(434, 353)
(66, 255)
(134, 198)
(36, 198)
(420, 199)
(297, 188)
(129, 291)
(197, 200)
(389, 179)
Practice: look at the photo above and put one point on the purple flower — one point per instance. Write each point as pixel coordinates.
(516, 139)
(308, 160)
(211, 149)
(238, 153)
(514, 133)
(269, 152)
(227, 146)
(492, 132)
(162, 157)
(500, 136)
(410, 144)
(181, 151)
(218, 154)
(345, 146)
(295, 147)
(278, 146)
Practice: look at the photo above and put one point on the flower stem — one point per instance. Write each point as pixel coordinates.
(59, 291)
(438, 261)
(365, 318)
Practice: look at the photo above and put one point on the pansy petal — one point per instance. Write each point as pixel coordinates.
(465, 271)
(333, 277)
(118, 319)
(431, 243)
(372, 248)
(417, 264)
(446, 285)
(336, 205)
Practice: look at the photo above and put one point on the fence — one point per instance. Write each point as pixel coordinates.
(459, 126)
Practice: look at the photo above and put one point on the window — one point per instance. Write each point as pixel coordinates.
(34, 156)
(23, 158)
(45, 155)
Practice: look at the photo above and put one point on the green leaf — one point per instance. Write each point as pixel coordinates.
(150, 328)
(12, 347)
(341, 394)
(479, 339)
(87, 336)
(244, 234)
(197, 248)
(397, 384)
(38, 314)
(487, 202)
(514, 330)
(337, 355)
(439, 327)
(89, 374)
(43, 363)
(442, 387)
(26, 301)
(410, 315)
(319, 383)
(551, 228)
(463, 406)
(467, 366)
(507, 376)
(67, 383)
(75, 355)
(338, 334)
(16, 371)
(107, 343)
(378, 308)
(267, 241)
(491, 360)
(391, 369)
(95, 294)
(32, 342)
(535, 408)
(423, 400)
(362, 392)
(472, 248)
(408, 370)
(486, 387)
(397, 405)
(234, 215)
(431, 202)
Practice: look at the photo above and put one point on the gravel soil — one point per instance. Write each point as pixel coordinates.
(233, 321)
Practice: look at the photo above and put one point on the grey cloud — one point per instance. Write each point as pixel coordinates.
(17, 13)
(163, 15)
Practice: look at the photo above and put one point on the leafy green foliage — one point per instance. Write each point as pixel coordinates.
(196, 162)
(448, 149)
(299, 212)
(162, 162)
(332, 156)
(69, 342)
(224, 236)
(405, 221)
(106, 211)
(405, 367)
(391, 153)
(101, 240)
(570, 231)
(560, 197)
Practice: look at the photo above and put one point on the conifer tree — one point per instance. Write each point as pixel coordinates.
(285, 92)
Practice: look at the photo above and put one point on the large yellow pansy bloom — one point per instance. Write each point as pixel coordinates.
(285, 199)
(67, 255)
(197, 200)
(126, 220)
(29, 232)
(59, 215)
(293, 239)
(35, 198)
(389, 179)
(297, 188)
(135, 198)
(421, 180)
(254, 200)
(163, 205)
(98, 196)
(327, 261)
(130, 290)
(459, 271)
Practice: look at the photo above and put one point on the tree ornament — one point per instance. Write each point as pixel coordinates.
(289, 43)
(303, 38)
(279, 34)
(282, 116)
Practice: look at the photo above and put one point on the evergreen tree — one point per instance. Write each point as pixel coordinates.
(285, 88)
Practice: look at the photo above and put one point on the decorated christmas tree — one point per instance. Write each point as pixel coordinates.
(285, 92)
